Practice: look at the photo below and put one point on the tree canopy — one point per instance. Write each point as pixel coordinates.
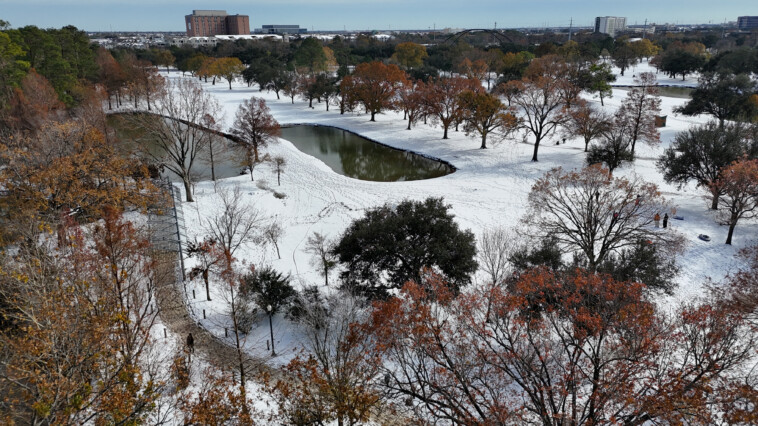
(393, 244)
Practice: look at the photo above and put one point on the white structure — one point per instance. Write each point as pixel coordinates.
(610, 25)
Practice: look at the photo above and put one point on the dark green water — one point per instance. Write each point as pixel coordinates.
(357, 157)
(344, 152)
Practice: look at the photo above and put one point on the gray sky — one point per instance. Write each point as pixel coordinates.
(168, 15)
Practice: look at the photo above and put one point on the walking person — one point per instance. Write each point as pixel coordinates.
(665, 220)
(657, 219)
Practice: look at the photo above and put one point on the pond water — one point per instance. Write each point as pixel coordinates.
(667, 91)
(357, 157)
(346, 153)
(228, 157)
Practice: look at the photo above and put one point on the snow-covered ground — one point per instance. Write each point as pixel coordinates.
(489, 189)
(663, 80)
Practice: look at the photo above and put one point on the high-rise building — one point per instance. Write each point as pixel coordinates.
(610, 25)
(204, 23)
(747, 22)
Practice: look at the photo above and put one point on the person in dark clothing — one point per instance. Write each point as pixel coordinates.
(665, 220)
(191, 343)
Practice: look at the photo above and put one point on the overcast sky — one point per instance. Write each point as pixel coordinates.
(168, 15)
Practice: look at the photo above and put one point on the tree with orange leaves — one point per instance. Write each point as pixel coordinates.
(411, 100)
(485, 115)
(443, 99)
(34, 103)
(69, 166)
(556, 349)
(375, 85)
(336, 380)
(739, 184)
(83, 314)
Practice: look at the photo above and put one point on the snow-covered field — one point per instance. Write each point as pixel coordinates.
(489, 189)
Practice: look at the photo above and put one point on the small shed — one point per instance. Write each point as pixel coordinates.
(660, 120)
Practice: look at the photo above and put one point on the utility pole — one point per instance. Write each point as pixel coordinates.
(571, 24)
(644, 29)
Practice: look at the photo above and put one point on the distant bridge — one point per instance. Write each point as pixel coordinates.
(497, 33)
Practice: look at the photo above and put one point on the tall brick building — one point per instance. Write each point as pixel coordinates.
(204, 23)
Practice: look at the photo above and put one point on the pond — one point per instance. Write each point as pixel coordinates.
(357, 157)
(667, 91)
(227, 155)
(346, 153)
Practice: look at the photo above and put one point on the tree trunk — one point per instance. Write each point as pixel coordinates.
(715, 200)
(484, 141)
(732, 225)
(536, 148)
(188, 189)
(271, 328)
(213, 166)
(444, 134)
(372, 116)
(207, 287)
(586, 145)
(601, 98)
(230, 84)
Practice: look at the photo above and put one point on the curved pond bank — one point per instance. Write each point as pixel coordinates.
(357, 157)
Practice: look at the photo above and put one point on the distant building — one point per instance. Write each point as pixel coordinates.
(281, 29)
(206, 23)
(610, 25)
(747, 23)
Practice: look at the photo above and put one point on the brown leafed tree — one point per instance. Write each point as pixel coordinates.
(411, 99)
(739, 185)
(111, 75)
(34, 104)
(485, 115)
(556, 68)
(217, 402)
(586, 122)
(255, 127)
(69, 166)
(443, 100)
(335, 382)
(595, 214)
(375, 86)
(556, 349)
(83, 312)
(639, 109)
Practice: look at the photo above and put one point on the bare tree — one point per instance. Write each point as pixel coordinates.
(273, 233)
(495, 247)
(235, 224)
(323, 259)
(542, 105)
(279, 162)
(179, 135)
(591, 212)
(639, 108)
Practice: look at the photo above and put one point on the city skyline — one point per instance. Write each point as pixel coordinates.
(324, 15)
